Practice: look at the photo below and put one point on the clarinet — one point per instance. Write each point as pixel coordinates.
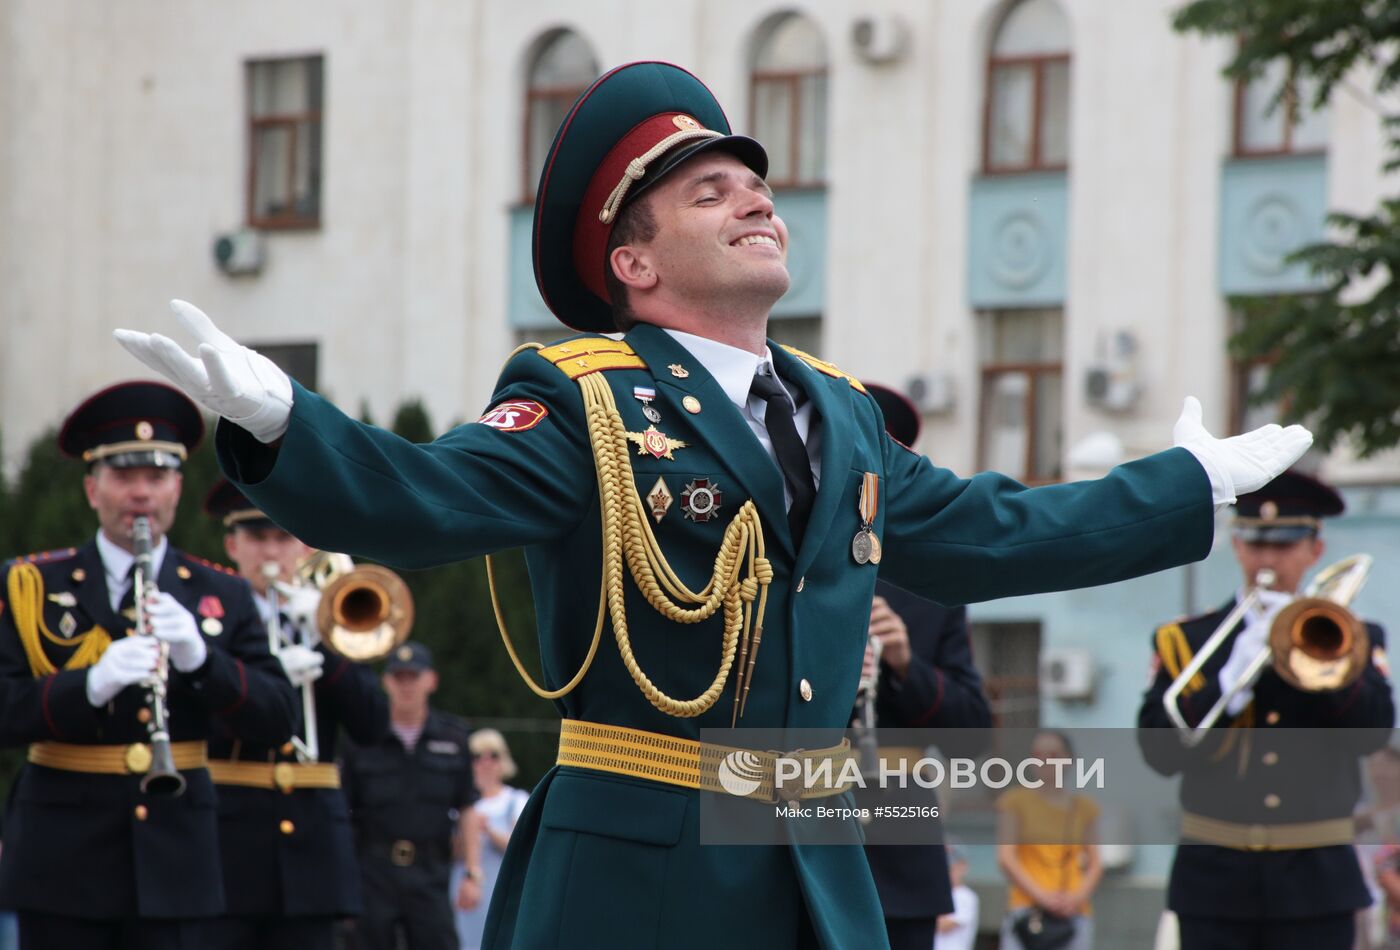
(866, 742)
(161, 778)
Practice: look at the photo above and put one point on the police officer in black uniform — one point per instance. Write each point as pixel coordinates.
(1267, 858)
(926, 680)
(90, 861)
(408, 793)
(288, 853)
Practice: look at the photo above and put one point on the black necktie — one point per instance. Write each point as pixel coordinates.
(128, 600)
(791, 453)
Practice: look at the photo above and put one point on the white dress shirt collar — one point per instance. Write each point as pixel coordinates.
(732, 367)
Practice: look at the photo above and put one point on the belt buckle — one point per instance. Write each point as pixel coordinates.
(284, 777)
(401, 853)
(800, 785)
(1257, 838)
(137, 758)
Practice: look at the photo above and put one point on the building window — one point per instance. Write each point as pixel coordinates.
(1008, 655)
(788, 100)
(561, 69)
(285, 100)
(1026, 127)
(1290, 125)
(1022, 425)
(297, 360)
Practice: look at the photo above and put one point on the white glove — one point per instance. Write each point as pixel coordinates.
(233, 381)
(300, 605)
(124, 663)
(175, 625)
(1242, 463)
(301, 664)
(1248, 644)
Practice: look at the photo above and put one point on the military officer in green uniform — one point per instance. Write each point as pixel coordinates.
(1267, 857)
(734, 498)
(92, 859)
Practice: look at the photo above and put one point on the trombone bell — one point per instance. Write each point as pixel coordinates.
(365, 613)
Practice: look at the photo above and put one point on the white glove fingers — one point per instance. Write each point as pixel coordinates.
(147, 348)
(199, 326)
(221, 379)
(184, 370)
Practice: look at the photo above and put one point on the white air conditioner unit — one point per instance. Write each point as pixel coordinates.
(1112, 389)
(1067, 673)
(931, 393)
(239, 252)
(879, 37)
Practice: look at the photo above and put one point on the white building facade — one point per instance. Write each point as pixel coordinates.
(1033, 211)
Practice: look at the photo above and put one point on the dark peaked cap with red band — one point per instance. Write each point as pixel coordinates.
(626, 132)
(901, 418)
(133, 424)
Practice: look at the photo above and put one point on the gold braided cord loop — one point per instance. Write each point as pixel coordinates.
(537, 689)
(627, 534)
(637, 167)
(627, 537)
(26, 593)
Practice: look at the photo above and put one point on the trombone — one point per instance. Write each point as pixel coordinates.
(365, 612)
(1315, 643)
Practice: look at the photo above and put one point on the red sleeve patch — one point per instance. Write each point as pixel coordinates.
(517, 415)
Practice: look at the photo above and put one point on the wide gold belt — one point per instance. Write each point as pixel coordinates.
(132, 759)
(1283, 837)
(747, 773)
(282, 776)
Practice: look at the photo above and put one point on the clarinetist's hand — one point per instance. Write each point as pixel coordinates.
(175, 625)
(125, 663)
(888, 627)
(240, 384)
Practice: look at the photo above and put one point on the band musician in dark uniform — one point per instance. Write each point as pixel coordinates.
(1266, 860)
(926, 680)
(92, 862)
(288, 852)
(409, 794)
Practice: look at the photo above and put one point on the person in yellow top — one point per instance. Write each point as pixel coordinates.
(1047, 848)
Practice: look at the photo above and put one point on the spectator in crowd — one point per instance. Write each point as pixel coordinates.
(490, 821)
(958, 930)
(1047, 848)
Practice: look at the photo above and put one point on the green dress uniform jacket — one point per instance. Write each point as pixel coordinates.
(94, 846)
(595, 854)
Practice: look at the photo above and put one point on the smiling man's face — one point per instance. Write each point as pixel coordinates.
(717, 236)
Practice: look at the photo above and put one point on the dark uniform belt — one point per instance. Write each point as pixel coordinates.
(282, 776)
(132, 759)
(691, 764)
(1282, 837)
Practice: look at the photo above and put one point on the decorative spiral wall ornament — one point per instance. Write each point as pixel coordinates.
(1021, 252)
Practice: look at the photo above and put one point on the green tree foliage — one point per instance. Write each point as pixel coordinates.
(1336, 353)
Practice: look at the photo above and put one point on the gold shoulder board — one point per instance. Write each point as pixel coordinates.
(822, 366)
(585, 355)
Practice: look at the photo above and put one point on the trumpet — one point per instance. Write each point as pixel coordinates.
(161, 777)
(365, 612)
(1315, 643)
